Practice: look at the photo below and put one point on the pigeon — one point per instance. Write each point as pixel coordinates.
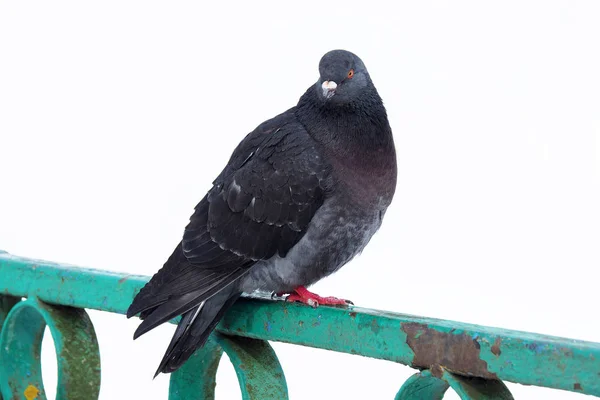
(301, 195)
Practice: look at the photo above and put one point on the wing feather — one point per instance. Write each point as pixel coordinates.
(260, 205)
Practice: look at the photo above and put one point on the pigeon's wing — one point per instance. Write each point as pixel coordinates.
(260, 205)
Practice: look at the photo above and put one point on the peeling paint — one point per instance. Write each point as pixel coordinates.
(459, 353)
(496, 347)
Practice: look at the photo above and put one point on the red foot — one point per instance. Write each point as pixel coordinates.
(302, 295)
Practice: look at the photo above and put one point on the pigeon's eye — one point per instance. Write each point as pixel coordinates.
(350, 74)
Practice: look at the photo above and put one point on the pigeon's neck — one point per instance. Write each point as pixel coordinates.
(358, 141)
(357, 133)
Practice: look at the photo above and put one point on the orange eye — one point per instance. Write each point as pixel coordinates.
(350, 74)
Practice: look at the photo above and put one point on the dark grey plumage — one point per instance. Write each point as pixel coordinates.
(301, 195)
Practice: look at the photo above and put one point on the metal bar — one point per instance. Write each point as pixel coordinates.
(464, 349)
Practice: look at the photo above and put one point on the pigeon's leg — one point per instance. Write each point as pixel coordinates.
(302, 295)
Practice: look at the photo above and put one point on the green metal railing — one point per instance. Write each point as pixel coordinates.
(472, 360)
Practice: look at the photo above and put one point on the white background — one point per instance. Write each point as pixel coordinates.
(115, 116)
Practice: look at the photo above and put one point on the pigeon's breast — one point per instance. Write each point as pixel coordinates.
(369, 181)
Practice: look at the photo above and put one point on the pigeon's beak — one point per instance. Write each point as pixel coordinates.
(328, 89)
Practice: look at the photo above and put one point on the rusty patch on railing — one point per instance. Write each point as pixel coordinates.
(459, 353)
(496, 347)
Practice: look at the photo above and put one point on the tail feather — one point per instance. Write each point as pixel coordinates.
(202, 293)
(182, 327)
(183, 303)
(195, 327)
(177, 276)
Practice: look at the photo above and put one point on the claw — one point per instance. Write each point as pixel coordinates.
(275, 295)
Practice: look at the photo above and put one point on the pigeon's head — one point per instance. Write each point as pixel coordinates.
(343, 77)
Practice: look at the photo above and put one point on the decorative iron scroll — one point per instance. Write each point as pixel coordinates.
(77, 354)
(433, 384)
